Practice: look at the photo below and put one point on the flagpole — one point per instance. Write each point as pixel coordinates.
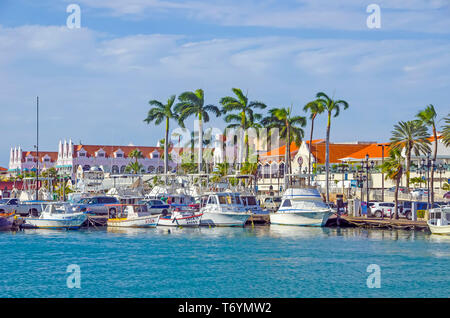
(37, 148)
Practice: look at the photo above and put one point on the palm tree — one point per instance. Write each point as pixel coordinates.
(393, 169)
(158, 114)
(289, 129)
(245, 113)
(330, 106)
(193, 103)
(314, 108)
(428, 118)
(220, 172)
(446, 131)
(411, 137)
(135, 167)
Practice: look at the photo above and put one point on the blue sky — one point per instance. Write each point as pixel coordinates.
(94, 83)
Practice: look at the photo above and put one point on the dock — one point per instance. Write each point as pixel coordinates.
(378, 223)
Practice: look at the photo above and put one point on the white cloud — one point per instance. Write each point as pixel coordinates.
(100, 85)
(405, 15)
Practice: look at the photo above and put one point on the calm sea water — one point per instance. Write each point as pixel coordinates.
(273, 261)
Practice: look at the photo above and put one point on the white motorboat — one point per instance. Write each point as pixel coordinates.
(57, 216)
(224, 209)
(131, 215)
(302, 206)
(181, 217)
(439, 221)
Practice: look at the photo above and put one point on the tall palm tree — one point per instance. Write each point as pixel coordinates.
(393, 168)
(193, 103)
(428, 118)
(245, 113)
(314, 108)
(289, 130)
(330, 106)
(158, 114)
(446, 131)
(410, 137)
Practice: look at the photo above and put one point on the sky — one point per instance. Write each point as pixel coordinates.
(94, 82)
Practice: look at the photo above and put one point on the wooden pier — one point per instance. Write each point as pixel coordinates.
(378, 223)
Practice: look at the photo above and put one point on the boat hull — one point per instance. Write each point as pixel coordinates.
(187, 221)
(300, 218)
(140, 222)
(224, 219)
(66, 222)
(443, 229)
(6, 222)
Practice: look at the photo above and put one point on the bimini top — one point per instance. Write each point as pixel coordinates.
(302, 194)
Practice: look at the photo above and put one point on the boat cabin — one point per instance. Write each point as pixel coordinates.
(127, 211)
(440, 216)
(223, 202)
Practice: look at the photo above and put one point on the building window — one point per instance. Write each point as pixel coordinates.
(150, 169)
(122, 169)
(115, 169)
(119, 155)
(81, 154)
(29, 159)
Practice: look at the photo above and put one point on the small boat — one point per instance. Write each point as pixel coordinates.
(181, 217)
(6, 221)
(303, 207)
(439, 221)
(57, 216)
(224, 209)
(131, 215)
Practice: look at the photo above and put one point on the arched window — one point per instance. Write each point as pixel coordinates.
(86, 167)
(160, 169)
(266, 171)
(259, 171)
(281, 169)
(115, 169)
(150, 169)
(274, 169)
(122, 169)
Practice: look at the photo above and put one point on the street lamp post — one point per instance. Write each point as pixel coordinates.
(368, 167)
(382, 173)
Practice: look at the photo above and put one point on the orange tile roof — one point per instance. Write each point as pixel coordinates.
(52, 154)
(3, 169)
(373, 150)
(110, 150)
(281, 150)
(337, 151)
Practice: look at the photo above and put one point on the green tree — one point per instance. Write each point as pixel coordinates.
(134, 167)
(163, 112)
(410, 137)
(446, 131)
(289, 130)
(314, 108)
(393, 169)
(331, 107)
(428, 118)
(193, 103)
(245, 116)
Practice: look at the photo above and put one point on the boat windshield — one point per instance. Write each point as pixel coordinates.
(229, 199)
(307, 205)
(248, 200)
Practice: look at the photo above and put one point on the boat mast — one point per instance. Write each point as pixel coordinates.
(37, 148)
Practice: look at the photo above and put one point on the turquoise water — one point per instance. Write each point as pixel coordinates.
(267, 261)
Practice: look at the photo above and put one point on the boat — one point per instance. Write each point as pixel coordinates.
(439, 221)
(181, 217)
(224, 209)
(131, 215)
(6, 221)
(302, 207)
(57, 216)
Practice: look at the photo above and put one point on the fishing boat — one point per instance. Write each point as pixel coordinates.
(181, 217)
(224, 209)
(57, 216)
(131, 215)
(6, 221)
(303, 207)
(439, 221)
